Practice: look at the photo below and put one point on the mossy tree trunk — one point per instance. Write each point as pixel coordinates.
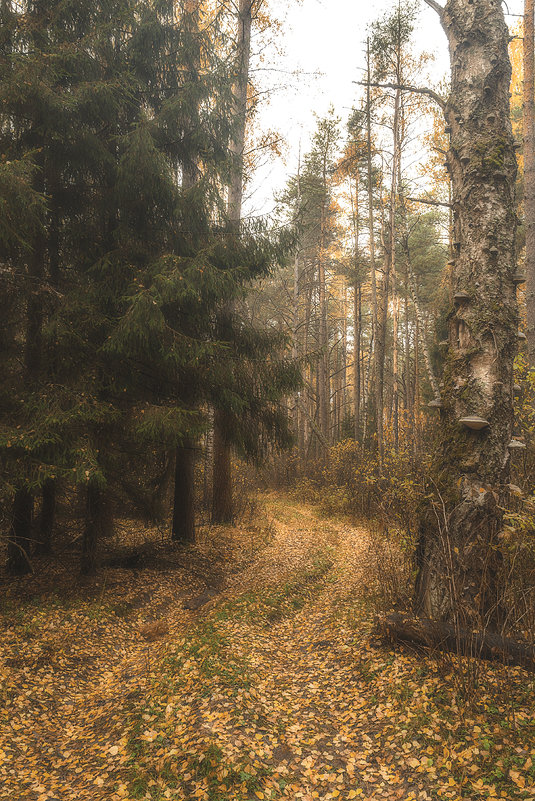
(458, 551)
(529, 173)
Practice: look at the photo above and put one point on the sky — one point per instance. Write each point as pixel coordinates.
(325, 41)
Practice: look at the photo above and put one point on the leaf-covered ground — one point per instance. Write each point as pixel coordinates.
(275, 689)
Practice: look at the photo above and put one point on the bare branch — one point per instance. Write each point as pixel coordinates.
(429, 202)
(408, 88)
(435, 6)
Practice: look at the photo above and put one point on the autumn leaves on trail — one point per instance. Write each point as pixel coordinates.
(275, 688)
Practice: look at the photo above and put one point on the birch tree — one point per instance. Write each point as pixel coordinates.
(459, 559)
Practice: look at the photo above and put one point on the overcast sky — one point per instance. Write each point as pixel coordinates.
(325, 40)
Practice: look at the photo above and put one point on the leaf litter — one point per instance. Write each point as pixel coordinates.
(275, 688)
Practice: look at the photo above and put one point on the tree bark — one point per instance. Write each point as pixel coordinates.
(393, 267)
(529, 173)
(324, 362)
(371, 226)
(380, 347)
(18, 559)
(46, 519)
(222, 501)
(459, 560)
(183, 527)
(357, 294)
(446, 637)
(222, 504)
(20, 534)
(93, 511)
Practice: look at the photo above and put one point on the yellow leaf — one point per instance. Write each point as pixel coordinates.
(259, 794)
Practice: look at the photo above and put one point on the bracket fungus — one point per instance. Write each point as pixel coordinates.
(461, 297)
(516, 445)
(474, 422)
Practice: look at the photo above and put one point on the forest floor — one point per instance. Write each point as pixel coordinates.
(271, 685)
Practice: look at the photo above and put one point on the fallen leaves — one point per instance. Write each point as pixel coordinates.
(273, 692)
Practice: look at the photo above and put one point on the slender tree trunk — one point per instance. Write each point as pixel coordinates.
(380, 348)
(222, 501)
(393, 268)
(47, 517)
(459, 558)
(19, 549)
(407, 401)
(183, 524)
(529, 173)
(183, 527)
(372, 363)
(19, 542)
(296, 309)
(92, 529)
(416, 391)
(357, 312)
(324, 362)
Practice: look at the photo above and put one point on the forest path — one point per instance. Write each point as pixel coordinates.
(274, 689)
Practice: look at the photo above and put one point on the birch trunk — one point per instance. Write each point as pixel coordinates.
(459, 558)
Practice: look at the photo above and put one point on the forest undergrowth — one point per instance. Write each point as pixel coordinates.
(247, 668)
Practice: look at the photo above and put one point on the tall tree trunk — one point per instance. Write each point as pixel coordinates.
(43, 545)
(380, 347)
(92, 529)
(371, 229)
(183, 524)
(529, 173)
(19, 541)
(460, 562)
(222, 502)
(21, 527)
(357, 312)
(393, 268)
(324, 361)
(183, 527)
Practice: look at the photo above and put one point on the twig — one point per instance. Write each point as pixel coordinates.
(429, 202)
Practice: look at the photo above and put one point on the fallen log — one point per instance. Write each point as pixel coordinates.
(434, 634)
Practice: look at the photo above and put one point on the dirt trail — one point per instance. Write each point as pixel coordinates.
(271, 690)
(72, 673)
